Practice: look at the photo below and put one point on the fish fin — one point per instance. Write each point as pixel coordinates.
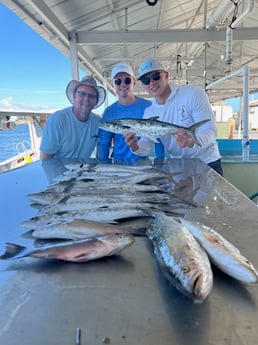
(210, 238)
(27, 234)
(127, 128)
(11, 250)
(193, 128)
(154, 118)
(37, 205)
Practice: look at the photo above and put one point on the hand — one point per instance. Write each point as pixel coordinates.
(131, 141)
(184, 188)
(183, 139)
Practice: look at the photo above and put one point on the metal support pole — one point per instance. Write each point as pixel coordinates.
(245, 139)
(245, 72)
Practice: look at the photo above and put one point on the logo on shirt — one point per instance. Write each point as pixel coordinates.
(182, 112)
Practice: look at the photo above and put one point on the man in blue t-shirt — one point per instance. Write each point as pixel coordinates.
(127, 106)
(72, 132)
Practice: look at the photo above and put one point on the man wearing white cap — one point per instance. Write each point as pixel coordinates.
(127, 106)
(73, 132)
(182, 105)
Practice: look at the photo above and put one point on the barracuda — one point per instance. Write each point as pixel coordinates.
(50, 198)
(88, 204)
(105, 215)
(150, 128)
(81, 229)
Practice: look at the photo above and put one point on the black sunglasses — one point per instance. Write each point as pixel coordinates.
(119, 81)
(147, 80)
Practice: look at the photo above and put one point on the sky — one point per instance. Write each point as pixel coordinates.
(34, 74)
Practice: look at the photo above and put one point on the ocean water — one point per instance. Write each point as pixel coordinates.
(11, 141)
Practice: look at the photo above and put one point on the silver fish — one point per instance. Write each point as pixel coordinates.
(150, 128)
(181, 258)
(223, 253)
(133, 178)
(83, 182)
(46, 197)
(116, 168)
(50, 198)
(105, 215)
(81, 228)
(88, 204)
(78, 166)
(76, 251)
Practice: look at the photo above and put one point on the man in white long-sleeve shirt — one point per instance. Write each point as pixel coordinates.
(182, 105)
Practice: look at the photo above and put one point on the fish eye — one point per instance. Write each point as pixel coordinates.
(186, 269)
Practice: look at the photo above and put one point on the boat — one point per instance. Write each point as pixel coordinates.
(27, 150)
(126, 299)
(123, 299)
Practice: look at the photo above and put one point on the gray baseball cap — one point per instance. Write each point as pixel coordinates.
(149, 65)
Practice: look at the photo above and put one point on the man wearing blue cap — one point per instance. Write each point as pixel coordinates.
(127, 106)
(184, 106)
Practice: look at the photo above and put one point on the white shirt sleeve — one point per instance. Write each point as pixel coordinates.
(145, 147)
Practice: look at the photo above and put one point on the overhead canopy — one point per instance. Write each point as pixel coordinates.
(198, 41)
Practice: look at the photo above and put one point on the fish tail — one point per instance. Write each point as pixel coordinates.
(193, 128)
(11, 250)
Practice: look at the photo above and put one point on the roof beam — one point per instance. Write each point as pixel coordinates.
(155, 36)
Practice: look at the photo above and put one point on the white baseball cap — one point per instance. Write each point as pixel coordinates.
(149, 65)
(122, 67)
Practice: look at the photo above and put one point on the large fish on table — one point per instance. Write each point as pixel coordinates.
(184, 263)
(150, 128)
(90, 201)
(104, 215)
(222, 253)
(46, 198)
(79, 229)
(76, 251)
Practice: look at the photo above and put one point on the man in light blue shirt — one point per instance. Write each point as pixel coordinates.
(127, 106)
(73, 132)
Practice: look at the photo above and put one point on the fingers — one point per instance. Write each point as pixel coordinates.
(131, 141)
(183, 139)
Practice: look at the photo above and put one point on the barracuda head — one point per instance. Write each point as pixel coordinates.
(114, 127)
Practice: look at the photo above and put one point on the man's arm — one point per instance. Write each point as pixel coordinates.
(45, 156)
(104, 145)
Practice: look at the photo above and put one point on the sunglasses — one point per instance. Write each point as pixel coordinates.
(146, 80)
(119, 81)
(84, 94)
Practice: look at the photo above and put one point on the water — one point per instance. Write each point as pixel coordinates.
(10, 138)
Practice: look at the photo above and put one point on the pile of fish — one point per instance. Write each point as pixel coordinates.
(104, 194)
(97, 210)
